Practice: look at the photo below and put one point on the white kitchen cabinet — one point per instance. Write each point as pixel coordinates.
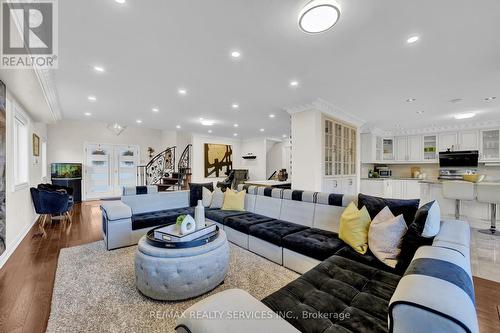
(371, 148)
(430, 147)
(341, 185)
(377, 187)
(400, 148)
(391, 188)
(490, 145)
(388, 149)
(468, 140)
(398, 188)
(412, 189)
(448, 141)
(414, 148)
(349, 186)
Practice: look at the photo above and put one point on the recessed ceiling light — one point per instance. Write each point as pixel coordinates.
(456, 100)
(420, 112)
(235, 134)
(285, 136)
(236, 125)
(182, 91)
(236, 54)
(138, 121)
(409, 100)
(412, 39)
(318, 16)
(209, 131)
(206, 122)
(272, 115)
(155, 109)
(465, 115)
(235, 105)
(121, 2)
(294, 83)
(88, 114)
(262, 130)
(99, 69)
(92, 98)
(490, 98)
(178, 126)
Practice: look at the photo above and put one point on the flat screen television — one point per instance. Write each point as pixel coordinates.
(66, 170)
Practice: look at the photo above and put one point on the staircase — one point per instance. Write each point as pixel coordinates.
(163, 172)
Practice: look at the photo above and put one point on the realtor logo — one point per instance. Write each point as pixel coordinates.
(29, 34)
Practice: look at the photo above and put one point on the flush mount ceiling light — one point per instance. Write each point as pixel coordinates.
(412, 39)
(116, 128)
(318, 16)
(490, 98)
(206, 122)
(465, 116)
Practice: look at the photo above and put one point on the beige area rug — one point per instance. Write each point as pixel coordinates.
(95, 290)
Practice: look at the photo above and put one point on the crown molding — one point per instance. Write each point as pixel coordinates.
(46, 81)
(327, 108)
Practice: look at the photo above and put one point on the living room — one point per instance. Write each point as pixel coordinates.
(275, 166)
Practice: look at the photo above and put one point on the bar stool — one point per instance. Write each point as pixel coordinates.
(458, 190)
(490, 193)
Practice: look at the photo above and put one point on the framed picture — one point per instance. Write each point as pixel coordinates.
(218, 160)
(36, 145)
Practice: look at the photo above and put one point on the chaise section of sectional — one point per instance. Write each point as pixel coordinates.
(237, 227)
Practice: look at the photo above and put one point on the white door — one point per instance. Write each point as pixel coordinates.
(468, 140)
(448, 141)
(99, 171)
(108, 168)
(415, 148)
(400, 152)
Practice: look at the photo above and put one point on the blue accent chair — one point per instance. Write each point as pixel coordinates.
(51, 203)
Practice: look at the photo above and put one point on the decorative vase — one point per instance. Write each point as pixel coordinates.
(188, 225)
(199, 215)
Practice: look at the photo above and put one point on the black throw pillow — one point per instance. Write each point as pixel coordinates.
(413, 238)
(397, 206)
(196, 192)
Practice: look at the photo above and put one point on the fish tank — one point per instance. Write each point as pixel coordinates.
(66, 170)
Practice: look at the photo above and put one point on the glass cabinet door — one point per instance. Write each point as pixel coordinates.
(338, 150)
(127, 162)
(388, 149)
(490, 144)
(430, 147)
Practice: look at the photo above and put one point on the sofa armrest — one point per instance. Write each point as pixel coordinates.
(436, 294)
(116, 210)
(235, 310)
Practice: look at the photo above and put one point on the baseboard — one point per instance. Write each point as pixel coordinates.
(8, 252)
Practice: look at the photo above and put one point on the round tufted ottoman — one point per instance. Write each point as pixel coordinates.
(176, 274)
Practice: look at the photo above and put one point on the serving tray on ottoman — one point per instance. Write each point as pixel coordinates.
(151, 240)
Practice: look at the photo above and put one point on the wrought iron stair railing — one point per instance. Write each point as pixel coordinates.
(161, 166)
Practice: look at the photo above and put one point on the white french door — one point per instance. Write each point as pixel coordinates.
(109, 167)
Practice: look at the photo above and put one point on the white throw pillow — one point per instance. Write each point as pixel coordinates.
(432, 221)
(384, 236)
(217, 198)
(207, 196)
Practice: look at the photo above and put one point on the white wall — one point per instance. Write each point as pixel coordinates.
(256, 167)
(307, 166)
(67, 138)
(275, 158)
(20, 214)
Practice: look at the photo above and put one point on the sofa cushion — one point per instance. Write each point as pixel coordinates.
(338, 295)
(314, 243)
(397, 206)
(274, 231)
(195, 192)
(220, 216)
(153, 219)
(243, 222)
(368, 259)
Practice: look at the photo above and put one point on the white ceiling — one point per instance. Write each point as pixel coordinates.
(363, 65)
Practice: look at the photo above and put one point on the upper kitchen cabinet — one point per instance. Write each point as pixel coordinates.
(414, 148)
(448, 141)
(468, 140)
(388, 149)
(371, 148)
(430, 148)
(401, 149)
(490, 145)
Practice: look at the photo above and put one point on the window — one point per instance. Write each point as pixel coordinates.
(21, 150)
(44, 160)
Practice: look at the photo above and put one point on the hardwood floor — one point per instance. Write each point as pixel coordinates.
(27, 279)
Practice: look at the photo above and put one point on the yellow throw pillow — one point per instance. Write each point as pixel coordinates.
(354, 225)
(234, 200)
